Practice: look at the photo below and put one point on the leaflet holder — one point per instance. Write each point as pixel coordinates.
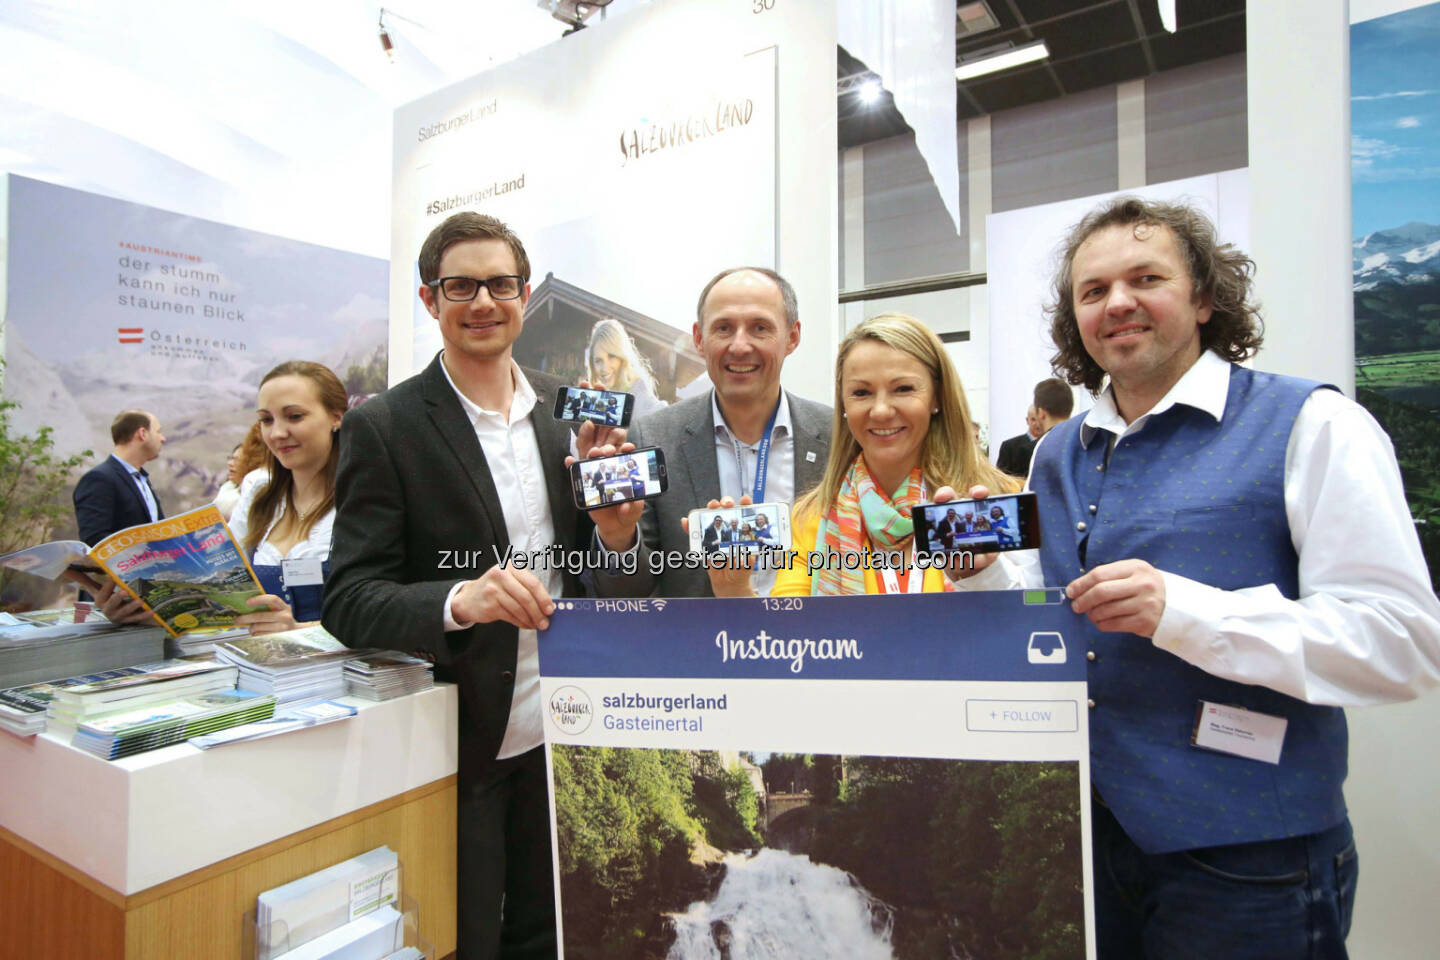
(274, 943)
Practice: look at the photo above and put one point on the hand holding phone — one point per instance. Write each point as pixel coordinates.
(606, 481)
(605, 408)
(748, 527)
(1009, 521)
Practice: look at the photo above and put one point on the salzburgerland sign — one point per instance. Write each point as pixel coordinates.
(715, 119)
(866, 759)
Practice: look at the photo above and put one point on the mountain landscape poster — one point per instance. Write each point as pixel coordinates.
(1395, 167)
(175, 315)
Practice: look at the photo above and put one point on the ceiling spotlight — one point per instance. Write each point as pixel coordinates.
(869, 91)
(385, 43)
(993, 63)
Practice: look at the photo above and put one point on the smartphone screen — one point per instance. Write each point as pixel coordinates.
(1006, 522)
(740, 528)
(605, 481)
(605, 407)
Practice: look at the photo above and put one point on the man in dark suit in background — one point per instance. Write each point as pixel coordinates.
(747, 323)
(464, 460)
(1052, 404)
(1014, 455)
(116, 493)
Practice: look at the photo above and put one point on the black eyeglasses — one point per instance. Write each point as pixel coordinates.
(462, 289)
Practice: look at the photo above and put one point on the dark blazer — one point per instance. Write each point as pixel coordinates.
(686, 432)
(416, 513)
(107, 501)
(1014, 456)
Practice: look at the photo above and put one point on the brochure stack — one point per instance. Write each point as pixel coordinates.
(29, 709)
(42, 646)
(299, 664)
(388, 674)
(161, 725)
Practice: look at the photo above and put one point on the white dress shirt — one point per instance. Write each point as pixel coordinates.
(1366, 628)
(143, 485)
(513, 456)
(737, 461)
(316, 544)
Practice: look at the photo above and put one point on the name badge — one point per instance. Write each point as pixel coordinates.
(1237, 731)
(303, 572)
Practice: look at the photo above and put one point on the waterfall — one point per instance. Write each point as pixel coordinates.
(780, 906)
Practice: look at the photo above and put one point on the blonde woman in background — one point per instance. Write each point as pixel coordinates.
(615, 364)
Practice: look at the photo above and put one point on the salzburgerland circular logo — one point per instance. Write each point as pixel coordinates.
(570, 710)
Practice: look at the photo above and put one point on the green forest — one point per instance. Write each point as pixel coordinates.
(1397, 378)
(1415, 432)
(978, 858)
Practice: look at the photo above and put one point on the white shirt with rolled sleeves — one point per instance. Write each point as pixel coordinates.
(1366, 628)
(513, 456)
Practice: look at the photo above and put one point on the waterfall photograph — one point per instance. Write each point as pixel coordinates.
(748, 855)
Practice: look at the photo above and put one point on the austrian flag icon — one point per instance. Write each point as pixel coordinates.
(130, 334)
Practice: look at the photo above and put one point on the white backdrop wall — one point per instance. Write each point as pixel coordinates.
(547, 146)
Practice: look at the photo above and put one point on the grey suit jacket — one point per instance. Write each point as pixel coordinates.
(418, 512)
(686, 432)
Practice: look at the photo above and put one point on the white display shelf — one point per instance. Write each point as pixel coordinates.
(146, 819)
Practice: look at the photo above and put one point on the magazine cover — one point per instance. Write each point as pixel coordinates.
(186, 569)
(288, 649)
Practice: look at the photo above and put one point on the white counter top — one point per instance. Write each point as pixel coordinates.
(140, 821)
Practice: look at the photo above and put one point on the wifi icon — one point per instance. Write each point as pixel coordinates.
(659, 605)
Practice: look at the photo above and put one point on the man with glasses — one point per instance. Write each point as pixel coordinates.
(464, 457)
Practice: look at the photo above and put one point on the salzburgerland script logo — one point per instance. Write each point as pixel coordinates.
(665, 134)
(762, 646)
(571, 710)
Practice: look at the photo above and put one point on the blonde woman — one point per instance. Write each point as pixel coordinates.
(616, 364)
(904, 436)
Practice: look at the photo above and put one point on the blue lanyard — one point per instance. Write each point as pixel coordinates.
(762, 456)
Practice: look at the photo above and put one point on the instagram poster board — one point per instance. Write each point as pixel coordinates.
(634, 159)
(931, 722)
(114, 305)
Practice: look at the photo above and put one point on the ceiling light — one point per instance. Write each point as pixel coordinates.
(1029, 53)
(973, 18)
(385, 43)
(870, 91)
(1167, 14)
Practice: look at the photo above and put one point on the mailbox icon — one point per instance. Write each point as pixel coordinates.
(1046, 646)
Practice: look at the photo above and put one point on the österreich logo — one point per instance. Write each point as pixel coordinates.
(571, 710)
(130, 334)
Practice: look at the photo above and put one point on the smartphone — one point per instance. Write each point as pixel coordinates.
(605, 481)
(1007, 522)
(740, 528)
(605, 407)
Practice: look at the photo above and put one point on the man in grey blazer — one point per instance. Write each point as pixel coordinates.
(746, 436)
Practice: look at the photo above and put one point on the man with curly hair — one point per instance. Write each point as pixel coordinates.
(1201, 518)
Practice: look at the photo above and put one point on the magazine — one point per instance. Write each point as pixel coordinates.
(302, 647)
(187, 570)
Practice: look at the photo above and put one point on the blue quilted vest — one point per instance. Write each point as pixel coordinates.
(1203, 500)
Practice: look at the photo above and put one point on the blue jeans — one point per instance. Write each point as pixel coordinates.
(1288, 899)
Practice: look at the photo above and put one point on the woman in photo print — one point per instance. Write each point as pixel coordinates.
(616, 364)
(904, 436)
